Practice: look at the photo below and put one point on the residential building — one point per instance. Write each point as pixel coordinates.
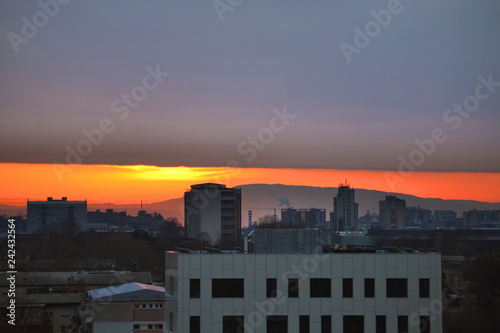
(213, 214)
(56, 213)
(392, 213)
(132, 307)
(295, 293)
(417, 216)
(292, 216)
(314, 217)
(345, 209)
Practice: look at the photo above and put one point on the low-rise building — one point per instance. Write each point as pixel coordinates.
(131, 307)
(48, 301)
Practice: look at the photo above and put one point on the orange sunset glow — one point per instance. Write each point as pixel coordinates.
(126, 184)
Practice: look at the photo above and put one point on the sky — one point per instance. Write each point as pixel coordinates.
(397, 89)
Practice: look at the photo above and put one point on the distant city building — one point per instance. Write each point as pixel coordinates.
(417, 216)
(283, 241)
(131, 307)
(213, 212)
(314, 217)
(56, 213)
(392, 212)
(351, 292)
(291, 216)
(345, 209)
(481, 218)
(250, 218)
(443, 217)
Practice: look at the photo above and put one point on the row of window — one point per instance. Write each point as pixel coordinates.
(148, 327)
(230, 218)
(317, 288)
(148, 306)
(279, 324)
(228, 210)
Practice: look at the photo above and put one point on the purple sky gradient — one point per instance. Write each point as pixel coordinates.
(227, 76)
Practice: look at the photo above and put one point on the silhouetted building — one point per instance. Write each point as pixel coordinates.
(345, 209)
(291, 216)
(314, 217)
(213, 213)
(56, 213)
(441, 217)
(418, 216)
(481, 218)
(392, 212)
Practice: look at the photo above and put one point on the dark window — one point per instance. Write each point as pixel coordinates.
(136, 327)
(346, 287)
(277, 324)
(425, 324)
(227, 288)
(304, 324)
(380, 324)
(369, 287)
(194, 324)
(424, 288)
(354, 324)
(231, 324)
(402, 324)
(293, 287)
(194, 288)
(397, 288)
(326, 324)
(271, 287)
(171, 321)
(320, 288)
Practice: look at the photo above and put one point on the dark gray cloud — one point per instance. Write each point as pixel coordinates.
(226, 78)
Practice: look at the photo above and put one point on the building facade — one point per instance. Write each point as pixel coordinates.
(212, 213)
(345, 209)
(392, 213)
(314, 217)
(291, 216)
(335, 293)
(56, 213)
(132, 307)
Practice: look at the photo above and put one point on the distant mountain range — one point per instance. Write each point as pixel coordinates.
(262, 199)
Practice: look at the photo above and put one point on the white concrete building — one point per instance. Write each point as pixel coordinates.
(351, 292)
(50, 213)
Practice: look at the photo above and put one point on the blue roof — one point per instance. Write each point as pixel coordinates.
(123, 289)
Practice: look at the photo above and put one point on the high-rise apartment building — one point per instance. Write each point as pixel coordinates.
(213, 213)
(56, 213)
(392, 213)
(345, 209)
